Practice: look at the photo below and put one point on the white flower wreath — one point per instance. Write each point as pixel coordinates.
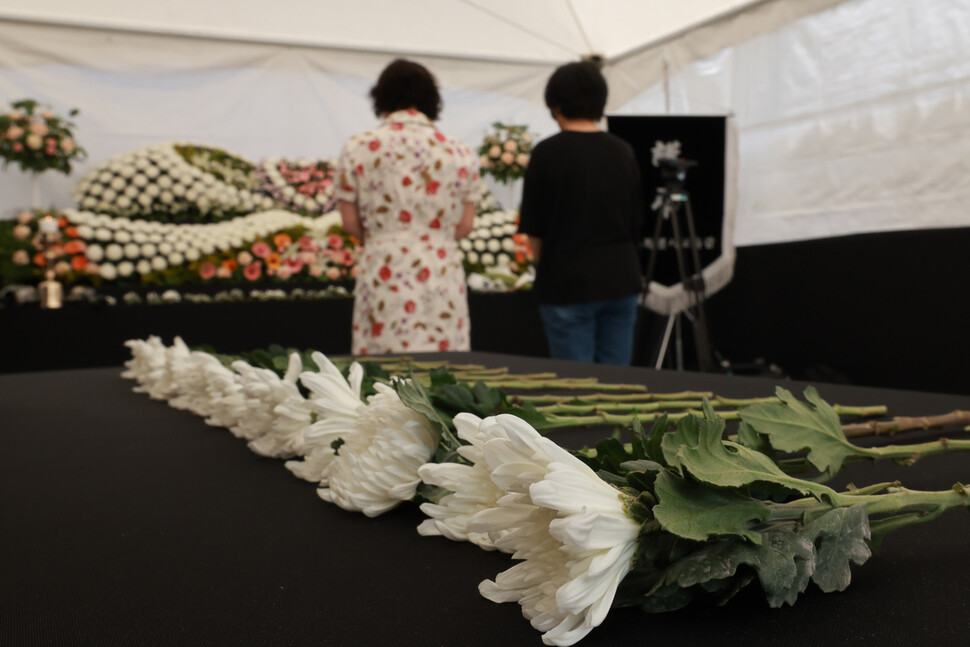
(157, 180)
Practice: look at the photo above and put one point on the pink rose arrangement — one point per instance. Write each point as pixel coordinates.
(38, 140)
(504, 153)
(285, 256)
(302, 186)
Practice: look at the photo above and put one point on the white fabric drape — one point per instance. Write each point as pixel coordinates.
(852, 120)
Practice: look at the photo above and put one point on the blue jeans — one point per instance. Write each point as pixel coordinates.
(599, 331)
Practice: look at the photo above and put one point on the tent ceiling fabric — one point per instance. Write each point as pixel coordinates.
(536, 31)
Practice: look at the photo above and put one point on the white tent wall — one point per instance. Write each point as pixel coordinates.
(852, 120)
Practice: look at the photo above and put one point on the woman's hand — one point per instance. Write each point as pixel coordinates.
(467, 222)
(350, 219)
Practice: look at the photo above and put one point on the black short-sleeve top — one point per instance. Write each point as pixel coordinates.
(582, 197)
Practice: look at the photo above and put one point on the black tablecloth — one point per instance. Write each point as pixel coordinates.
(125, 521)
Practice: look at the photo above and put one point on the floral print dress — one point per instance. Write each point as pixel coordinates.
(409, 182)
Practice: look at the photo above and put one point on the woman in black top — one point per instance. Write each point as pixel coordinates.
(582, 209)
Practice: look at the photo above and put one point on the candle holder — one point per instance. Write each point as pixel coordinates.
(50, 291)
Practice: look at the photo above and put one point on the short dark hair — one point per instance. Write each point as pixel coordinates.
(578, 90)
(406, 84)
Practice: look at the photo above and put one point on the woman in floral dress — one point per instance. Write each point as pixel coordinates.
(407, 191)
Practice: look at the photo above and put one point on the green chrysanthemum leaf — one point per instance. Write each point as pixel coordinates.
(697, 511)
(792, 425)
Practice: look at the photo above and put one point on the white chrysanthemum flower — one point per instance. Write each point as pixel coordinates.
(281, 439)
(151, 366)
(567, 525)
(263, 390)
(148, 363)
(472, 489)
(377, 465)
(335, 403)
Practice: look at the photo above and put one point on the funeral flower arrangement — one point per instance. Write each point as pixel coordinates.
(301, 185)
(680, 512)
(495, 256)
(36, 139)
(504, 153)
(169, 214)
(276, 244)
(173, 183)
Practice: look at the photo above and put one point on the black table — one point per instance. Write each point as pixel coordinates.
(125, 521)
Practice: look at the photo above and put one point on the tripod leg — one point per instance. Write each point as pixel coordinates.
(662, 354)
(702, 340)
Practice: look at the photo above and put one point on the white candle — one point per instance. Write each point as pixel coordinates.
(48, 226)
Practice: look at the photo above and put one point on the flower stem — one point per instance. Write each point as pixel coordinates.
(888, 505)
(909, 454)
(620, 406)
(900, 424)
(605, 418)
(623, 397)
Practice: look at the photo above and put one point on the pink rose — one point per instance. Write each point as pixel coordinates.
(223, 272)
(15, 132)
(253, 271)
(511, 145)
(17, 147)
(494, 152)
(38, 128)
(333, 273)
(15, 115)
(306, 244)
(21, 257)
(307, 257)
(244, 258)
(284, 272)
(21, 231)
(67, 145)
(507, 158)
(334, 241)
(315, 270)
(51, 146)
(522, 159)
(261, 249)
(207, 271)
(354, 271)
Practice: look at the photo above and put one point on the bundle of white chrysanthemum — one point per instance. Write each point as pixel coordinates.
(567, 525)
(375, 468)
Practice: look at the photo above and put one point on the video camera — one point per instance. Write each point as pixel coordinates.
(674, 168)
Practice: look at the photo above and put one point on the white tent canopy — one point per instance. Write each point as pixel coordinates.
(535, 31)
(815, 85)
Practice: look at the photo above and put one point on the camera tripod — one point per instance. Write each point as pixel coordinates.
(675, 206)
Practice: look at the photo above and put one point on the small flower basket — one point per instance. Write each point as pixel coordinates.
(38, 140)
(504, 154)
